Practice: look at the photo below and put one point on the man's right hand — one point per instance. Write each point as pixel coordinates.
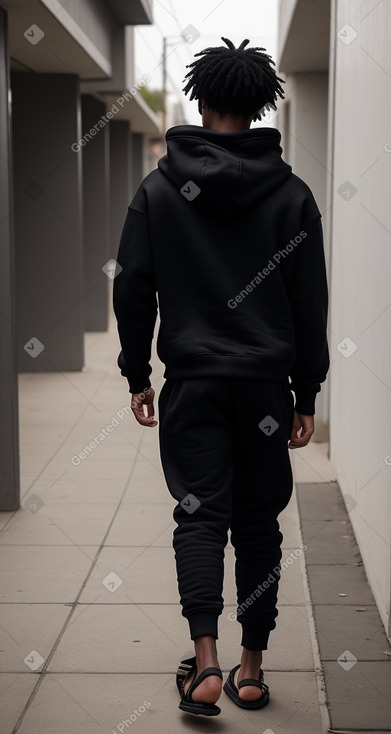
(302, 429)
(137, 404)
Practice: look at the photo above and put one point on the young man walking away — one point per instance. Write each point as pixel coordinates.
(230, 240)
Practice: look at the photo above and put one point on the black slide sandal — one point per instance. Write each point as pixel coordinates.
(187, 704)
(233, 693)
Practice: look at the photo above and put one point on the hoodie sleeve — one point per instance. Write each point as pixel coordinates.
(134, 301)
(308, 296)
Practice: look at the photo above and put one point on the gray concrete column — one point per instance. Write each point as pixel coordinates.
(48, 222)
(9, 434)
(96, 212)
(121, 186)
(137, 168)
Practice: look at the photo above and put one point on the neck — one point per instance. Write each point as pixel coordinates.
(226, 123)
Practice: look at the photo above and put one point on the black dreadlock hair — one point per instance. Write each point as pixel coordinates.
(233, 80)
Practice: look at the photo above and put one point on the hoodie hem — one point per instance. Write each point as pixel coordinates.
(226, 365)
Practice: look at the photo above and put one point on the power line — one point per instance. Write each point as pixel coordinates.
(174, 14)
(180, 28)
(159, 60)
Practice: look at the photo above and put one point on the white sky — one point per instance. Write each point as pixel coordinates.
(234, 19)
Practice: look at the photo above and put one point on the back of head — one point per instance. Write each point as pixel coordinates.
(234, 81)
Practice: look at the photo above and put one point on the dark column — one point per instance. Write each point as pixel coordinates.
(9, 435)
(48, 222)
(96, 208)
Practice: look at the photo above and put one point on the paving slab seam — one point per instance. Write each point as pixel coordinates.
(320, 681)
(137, 673)
(79, 417)
(74, 605)
(344, 700)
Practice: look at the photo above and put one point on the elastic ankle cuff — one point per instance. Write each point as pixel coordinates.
(254, 638)
(203, 623)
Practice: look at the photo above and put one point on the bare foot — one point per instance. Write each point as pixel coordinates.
(247, 693)
(209, 691)
(251, 663)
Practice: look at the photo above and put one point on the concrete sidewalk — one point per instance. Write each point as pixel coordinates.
(91, 630)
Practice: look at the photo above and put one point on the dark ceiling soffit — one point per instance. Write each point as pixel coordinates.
(132, 12)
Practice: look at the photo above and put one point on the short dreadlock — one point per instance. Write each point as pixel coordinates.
(233, 80)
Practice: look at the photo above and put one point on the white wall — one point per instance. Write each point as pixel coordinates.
(307, 146)
(360, 409)
(304, 141)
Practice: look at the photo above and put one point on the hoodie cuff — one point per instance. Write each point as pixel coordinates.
(305, 402)
(137, 386)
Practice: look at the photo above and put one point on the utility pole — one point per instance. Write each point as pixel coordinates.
(164, 64)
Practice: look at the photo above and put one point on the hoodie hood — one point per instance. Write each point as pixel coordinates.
(231, 170)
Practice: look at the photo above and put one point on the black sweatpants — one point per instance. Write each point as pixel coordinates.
(225, 456)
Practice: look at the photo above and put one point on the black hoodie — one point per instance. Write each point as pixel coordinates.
(231, 242)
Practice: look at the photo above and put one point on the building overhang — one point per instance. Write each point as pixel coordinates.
(304, 36)
(136, 12)
(135, 110)
(53, 37)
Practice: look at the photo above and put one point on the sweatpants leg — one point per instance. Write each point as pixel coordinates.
(225, 457)
(262, 488)
(196, 452)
